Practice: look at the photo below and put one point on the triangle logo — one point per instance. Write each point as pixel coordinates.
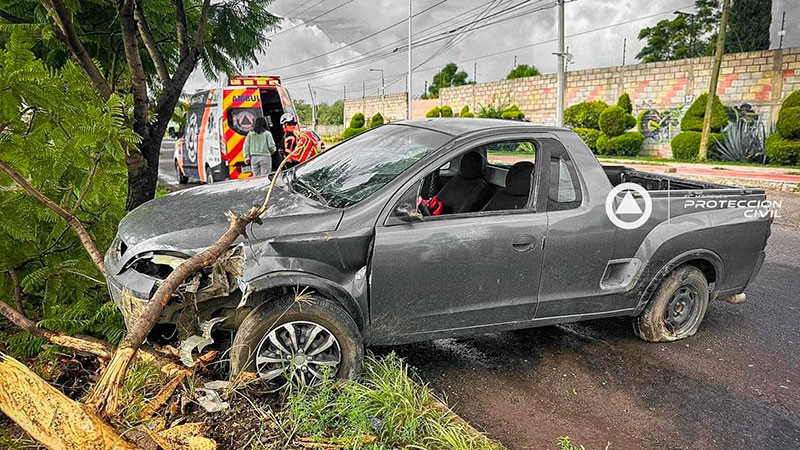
(628, 205)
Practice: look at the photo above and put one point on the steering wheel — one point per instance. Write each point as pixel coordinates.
(423, 208)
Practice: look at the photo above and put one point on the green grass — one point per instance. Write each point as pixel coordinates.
(386, 408)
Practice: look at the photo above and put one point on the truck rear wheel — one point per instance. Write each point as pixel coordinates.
(676, 308)
(285, 340)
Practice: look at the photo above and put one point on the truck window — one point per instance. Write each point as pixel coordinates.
(565, 189)
(242, 119)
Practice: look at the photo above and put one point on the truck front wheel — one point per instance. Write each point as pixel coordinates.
(290, 339)
(676, 308)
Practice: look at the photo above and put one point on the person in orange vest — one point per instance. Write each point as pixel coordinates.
(301, 146)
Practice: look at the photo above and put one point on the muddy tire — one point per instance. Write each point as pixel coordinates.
(677, 307)
(283, 339)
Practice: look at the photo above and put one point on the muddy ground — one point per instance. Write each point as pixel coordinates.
(733, 385)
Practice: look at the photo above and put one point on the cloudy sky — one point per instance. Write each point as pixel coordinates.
(333, 44)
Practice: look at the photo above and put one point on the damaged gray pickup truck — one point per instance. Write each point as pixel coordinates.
(408, 233)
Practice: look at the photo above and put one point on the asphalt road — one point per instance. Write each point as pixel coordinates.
(734, 385)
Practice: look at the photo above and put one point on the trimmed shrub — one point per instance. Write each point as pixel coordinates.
(693, 119)
(351, 131)
(624, 102)
(584, 115)
(357, 121)
(434, 112)
(789, 122)
(468, 115)
(630, 121)
(686, 145)
(512, 113)
(614, 121)
(464, 111)
(792, 101)
(589, 136)
(627, 144)
(446, 111)
(377, 120)
(783, 151)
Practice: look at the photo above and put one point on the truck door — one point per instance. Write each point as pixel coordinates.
(451, 274)
(241, 107)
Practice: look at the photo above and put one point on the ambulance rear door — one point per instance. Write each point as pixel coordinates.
(241, 106)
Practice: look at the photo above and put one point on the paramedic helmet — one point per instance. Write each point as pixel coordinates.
(288, 118)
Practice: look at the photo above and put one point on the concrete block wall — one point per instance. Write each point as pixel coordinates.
(392, 107)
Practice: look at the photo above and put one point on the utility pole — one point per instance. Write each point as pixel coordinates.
(475, 72)
(383, 85)
(783, 30)
(363, 89)
(313, 108)
(408, 115)
(562, 78)
(515, 61)
(712, 87)
(344, 100)
(425, 92)
(624, 49)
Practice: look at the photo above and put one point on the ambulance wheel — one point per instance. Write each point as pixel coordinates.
(182, 179)
(209, 176)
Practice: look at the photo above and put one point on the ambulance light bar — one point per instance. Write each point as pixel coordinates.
(241, 80)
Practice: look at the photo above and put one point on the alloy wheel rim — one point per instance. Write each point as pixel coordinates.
(300, 351)
(681, 311)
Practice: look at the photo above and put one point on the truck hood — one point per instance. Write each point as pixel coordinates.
(195, 218)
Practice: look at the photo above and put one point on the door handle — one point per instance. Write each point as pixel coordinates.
(523, 243)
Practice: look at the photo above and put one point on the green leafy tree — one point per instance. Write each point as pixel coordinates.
(304, 114)
(79, 163)
(332, 114)
(523, 71)
(685, 36)
(749, 26)
(585, 114)
(146, 49)
(448, 76)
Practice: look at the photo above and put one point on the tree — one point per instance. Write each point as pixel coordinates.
(448, 76)
(685, 36)
(303, 110)
(523, 71)
(749, 26)
(176, 37)
(332, 114)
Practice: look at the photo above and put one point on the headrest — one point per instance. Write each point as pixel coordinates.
(518, 178)
(473, 164)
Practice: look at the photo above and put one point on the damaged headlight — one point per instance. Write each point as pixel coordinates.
(156, 265)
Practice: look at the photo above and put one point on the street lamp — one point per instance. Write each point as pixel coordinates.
(692, 32)
(383, 86)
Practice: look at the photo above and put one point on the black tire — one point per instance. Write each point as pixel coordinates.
(182, 179)
(209, 176)
(285, 311)
(676, 308)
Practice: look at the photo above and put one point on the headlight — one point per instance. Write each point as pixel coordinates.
(156, 265)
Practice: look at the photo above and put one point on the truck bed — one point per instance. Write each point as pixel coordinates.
(656, 181)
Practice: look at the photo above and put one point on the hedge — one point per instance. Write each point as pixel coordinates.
(614, 121)
(358, 120)
(686, 145)
(783, 151)
(585, 114)
(434, 112)
(464, 111)
(792, 101)
(789, 123)
(589, 137)
(512, 113)
(693, 119)
(446, 111)
(351, 131)
(377, 120)
(628, 144)
(625, 103)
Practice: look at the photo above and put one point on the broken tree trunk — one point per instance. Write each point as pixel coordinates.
(49, 416)
(105, 396)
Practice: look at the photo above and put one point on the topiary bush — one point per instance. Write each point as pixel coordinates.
(686, 145)
(468, 115)
(434, 112)
(614, 121)
(446, 111)
(627, 144)
(351, 131)
(357, 121)
(783, 151)
(624, 102)
(464, 111)
(512, 113)
(377, 120)
(792, 101)
(789, 123)
(693, 119)
(589, 137)
(585, 114)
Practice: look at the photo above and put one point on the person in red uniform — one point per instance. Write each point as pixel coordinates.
(300, 145)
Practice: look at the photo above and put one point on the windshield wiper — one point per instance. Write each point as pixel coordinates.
(308, 188)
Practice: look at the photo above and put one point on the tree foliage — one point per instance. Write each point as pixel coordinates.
(685, 36)
(448, 76)
(749, 26)
(69, 144)
(523, 71)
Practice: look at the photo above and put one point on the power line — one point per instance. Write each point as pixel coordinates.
(310, 20)
(289, 13)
